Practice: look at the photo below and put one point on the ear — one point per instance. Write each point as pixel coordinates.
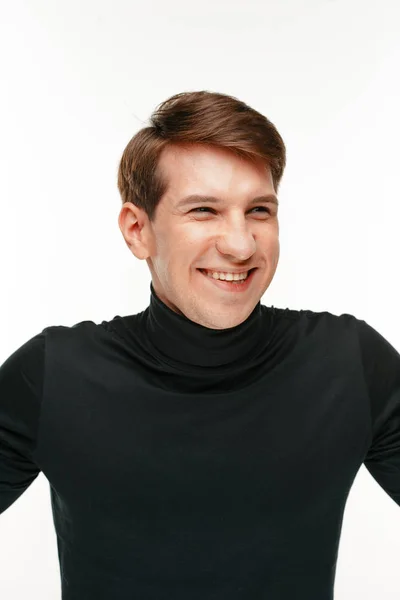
(136, 230)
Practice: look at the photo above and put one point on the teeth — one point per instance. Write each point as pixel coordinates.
(227, 276)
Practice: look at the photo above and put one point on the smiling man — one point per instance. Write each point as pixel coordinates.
(214, 246)
(202, 449)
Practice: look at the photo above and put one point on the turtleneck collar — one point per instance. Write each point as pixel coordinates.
(178, 338)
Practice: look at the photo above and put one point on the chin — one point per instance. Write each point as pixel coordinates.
(224, 321)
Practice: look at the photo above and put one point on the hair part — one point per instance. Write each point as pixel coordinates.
(199, 117)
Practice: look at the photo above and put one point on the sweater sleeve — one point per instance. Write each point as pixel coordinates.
(381, 364)
(21, 382)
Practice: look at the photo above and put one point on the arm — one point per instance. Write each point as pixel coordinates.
(381, 363)
(21, 381)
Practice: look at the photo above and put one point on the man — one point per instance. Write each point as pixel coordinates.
(205, 447)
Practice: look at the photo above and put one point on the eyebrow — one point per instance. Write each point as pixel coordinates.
(196, 198)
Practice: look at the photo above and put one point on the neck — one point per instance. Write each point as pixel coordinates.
(182, 340)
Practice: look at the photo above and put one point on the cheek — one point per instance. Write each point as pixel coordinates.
(278, 251)
(194, 234)
(187, 244)
(275, 253)
(269, 239)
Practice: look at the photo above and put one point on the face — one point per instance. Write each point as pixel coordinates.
(230, 234)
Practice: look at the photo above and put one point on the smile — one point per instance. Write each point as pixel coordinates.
(231, 286)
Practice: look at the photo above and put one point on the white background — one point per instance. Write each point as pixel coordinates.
(79, 78)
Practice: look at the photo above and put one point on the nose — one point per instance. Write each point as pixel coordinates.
(237, 242)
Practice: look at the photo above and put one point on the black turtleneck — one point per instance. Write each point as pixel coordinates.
(182, 355)
(193, 345)
(187, 462)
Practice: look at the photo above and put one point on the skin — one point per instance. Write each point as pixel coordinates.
(232, 233)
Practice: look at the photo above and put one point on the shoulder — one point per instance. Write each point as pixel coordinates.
(313, 325)
(25, 363)
(380, 360)
(28, 361)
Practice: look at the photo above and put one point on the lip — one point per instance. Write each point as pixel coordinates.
(232, 287)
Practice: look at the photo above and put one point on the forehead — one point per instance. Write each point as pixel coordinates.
(206, 169)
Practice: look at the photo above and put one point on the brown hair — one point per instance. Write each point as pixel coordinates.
(200, 117)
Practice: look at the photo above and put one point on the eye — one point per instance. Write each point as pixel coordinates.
(264, 209)
(207, 208)
(200, 208)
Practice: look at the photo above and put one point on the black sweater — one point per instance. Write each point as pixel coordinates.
(187, 463)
